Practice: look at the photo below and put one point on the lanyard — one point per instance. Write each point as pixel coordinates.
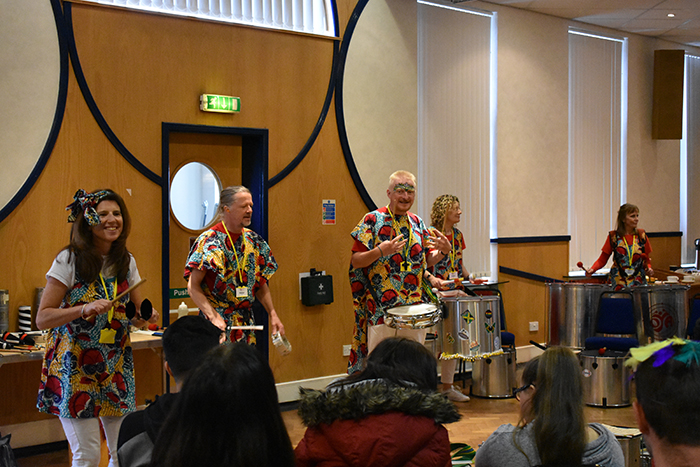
(453, 251)
(396, 227)
(630, 249)
(240, 266)
(110, 315)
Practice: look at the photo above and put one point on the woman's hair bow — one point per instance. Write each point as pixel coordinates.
(86, 202)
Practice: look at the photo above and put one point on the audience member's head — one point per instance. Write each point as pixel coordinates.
(667, 381)
(227, 414)
(185, 342)
(552, 399)
(401, 361)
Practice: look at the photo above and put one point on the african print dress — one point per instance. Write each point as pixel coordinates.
(451, 263)
(629, 261)
(213, 254)
(81, 377)
(391, 281)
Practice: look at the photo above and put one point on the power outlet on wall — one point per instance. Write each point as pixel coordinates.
(346, 350)
(534, 326)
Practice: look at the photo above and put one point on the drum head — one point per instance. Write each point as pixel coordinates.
(413, 310)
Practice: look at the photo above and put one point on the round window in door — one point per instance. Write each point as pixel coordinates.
(194, 196)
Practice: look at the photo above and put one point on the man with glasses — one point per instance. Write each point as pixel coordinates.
(391, 253)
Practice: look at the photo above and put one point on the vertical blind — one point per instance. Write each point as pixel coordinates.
(690, 160)
(455, 120)
(309, 16)
(597, 126)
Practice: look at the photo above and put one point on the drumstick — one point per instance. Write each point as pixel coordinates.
(580, 265)
(116, 299)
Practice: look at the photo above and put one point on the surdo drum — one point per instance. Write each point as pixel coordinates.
(418, 316)
(471, 327)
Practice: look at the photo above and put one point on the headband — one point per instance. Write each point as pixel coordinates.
(83, 201)
(681, 350)
(404, 186)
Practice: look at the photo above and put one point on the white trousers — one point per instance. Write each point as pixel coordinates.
(376, 334)
(83, 435)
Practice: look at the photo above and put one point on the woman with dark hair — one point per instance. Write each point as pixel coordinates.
(552, 430)
(227, 415)
(88, 369)
(630, 249)
(389, 414)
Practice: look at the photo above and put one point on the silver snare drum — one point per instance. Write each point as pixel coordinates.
(418, 316)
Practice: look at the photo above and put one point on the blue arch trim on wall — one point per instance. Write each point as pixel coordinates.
(324, 112)
(92, 105)
(58, 115)
(340, 116)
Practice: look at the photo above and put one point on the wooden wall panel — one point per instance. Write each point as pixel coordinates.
(666, 252)
(524, 299)
(144, 70)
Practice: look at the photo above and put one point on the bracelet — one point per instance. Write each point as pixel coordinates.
(82, 311)
(380, 251)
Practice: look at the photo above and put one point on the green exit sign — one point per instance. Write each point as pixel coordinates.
(216, 103)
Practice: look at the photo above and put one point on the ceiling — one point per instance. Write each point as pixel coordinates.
(645, 17)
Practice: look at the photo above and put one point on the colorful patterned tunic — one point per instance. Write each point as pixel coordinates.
(213, 254)
(81, 377)
(453, 261)
(385, 283)
(629, 263)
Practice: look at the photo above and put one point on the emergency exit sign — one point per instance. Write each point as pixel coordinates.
(217, 103)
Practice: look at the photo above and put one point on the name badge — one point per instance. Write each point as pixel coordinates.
(241, 292)
(107, 336)
(453, 275)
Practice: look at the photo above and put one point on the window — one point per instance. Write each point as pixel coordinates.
(690, 160)
(309, 16)
(597, 140)
(456, 121)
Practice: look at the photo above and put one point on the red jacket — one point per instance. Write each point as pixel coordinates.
(374, 424)
(385, 440)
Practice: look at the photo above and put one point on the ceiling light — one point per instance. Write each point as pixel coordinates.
(671, 15)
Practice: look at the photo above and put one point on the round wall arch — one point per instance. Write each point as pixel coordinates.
(32, 93)
(377, 94)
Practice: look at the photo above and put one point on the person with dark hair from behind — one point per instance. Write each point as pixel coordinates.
(185, 343)
(667, 408)
(226, 415)
(552, 430)
(389, 414)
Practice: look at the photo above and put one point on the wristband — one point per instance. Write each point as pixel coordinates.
(381, 253)
(82, 311)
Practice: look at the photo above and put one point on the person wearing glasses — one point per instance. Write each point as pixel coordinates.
(552, 429)
(392, 249)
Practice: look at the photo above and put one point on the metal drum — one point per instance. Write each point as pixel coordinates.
(661, 311)
(418, 316)
(572, 312)
(495, 376)
(606, 379)
(471, 326)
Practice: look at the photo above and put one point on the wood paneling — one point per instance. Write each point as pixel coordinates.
(524, 299)
(666, 251)
(146, 69)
